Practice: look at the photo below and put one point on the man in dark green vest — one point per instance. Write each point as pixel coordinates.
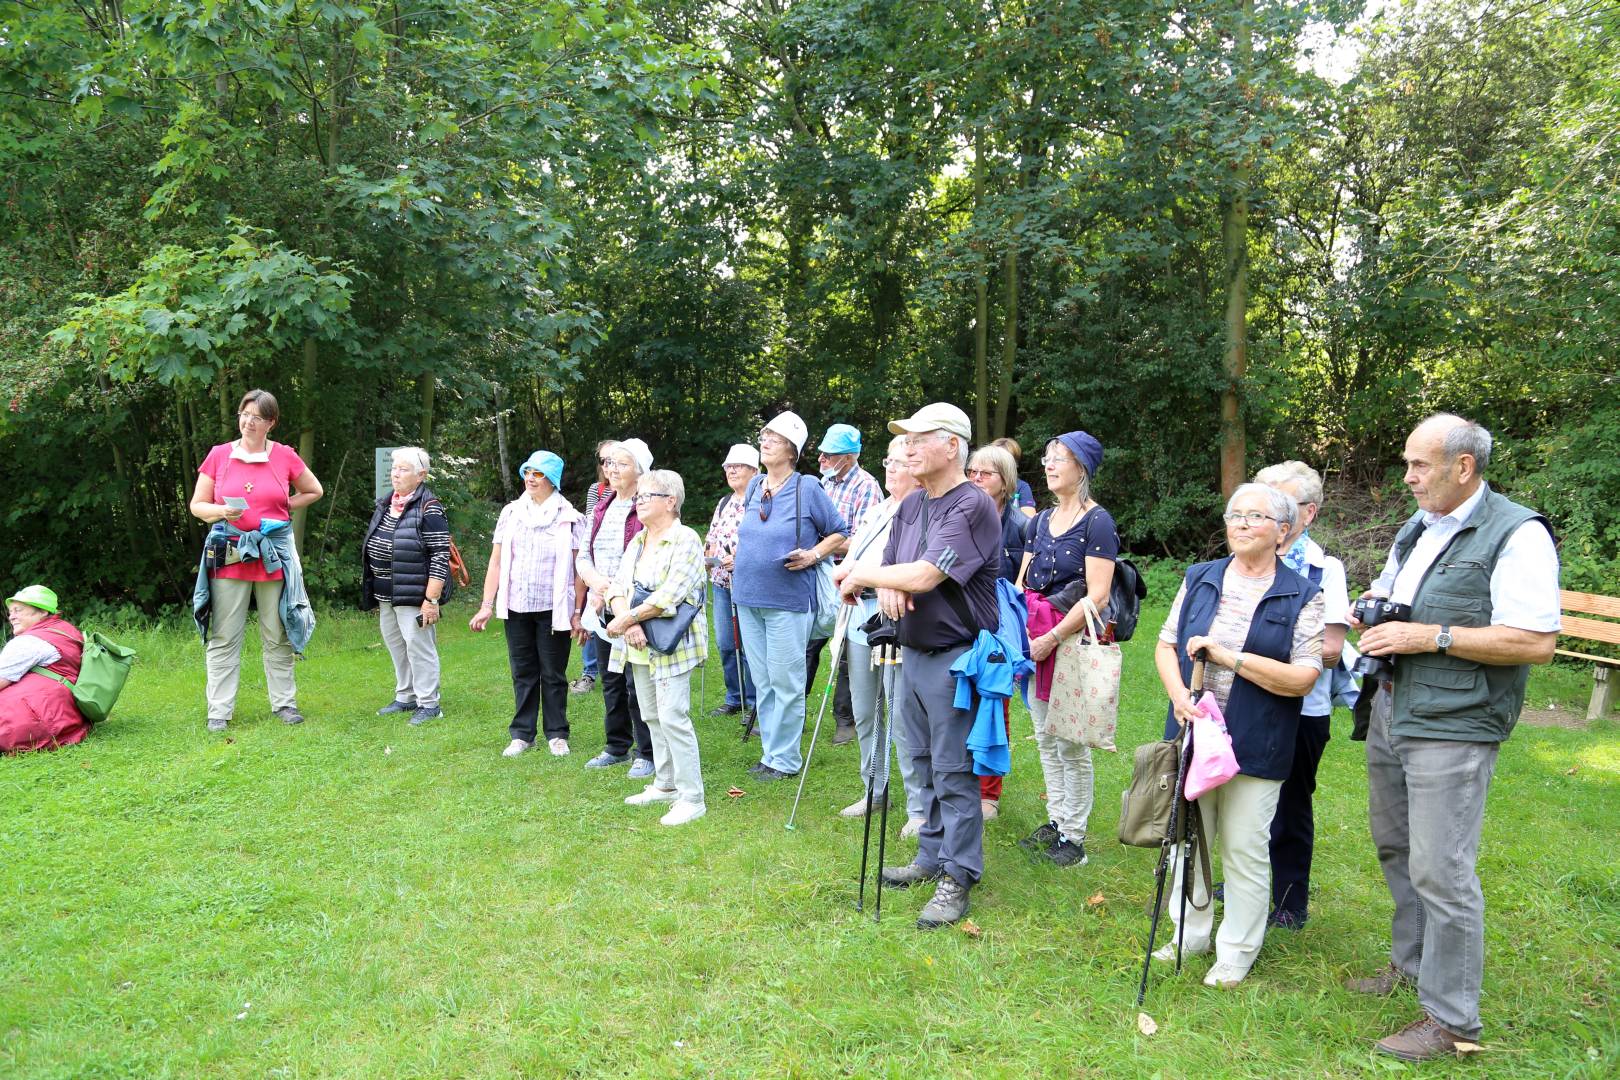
(1481, 575)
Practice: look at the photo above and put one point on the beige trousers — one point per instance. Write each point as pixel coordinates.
(224, 648)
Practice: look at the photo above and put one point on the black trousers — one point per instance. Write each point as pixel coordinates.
(539, 658)
(622, 718)
(1293, 829)
(842, 708)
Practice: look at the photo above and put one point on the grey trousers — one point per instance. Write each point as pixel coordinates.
(224, 649)
(952, 835)
(1426, 805)
(865, 686)
(415, 652)
(666, 706)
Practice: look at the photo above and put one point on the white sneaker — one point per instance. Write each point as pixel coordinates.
(989, 808)
(516, 747)
(559, 747)
(854, 809)
(911, 828)
(650, 794)
(682, 812)
(1225, 976)
(1167, 951)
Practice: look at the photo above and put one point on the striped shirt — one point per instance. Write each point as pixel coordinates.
(380, 549)
(673, 570)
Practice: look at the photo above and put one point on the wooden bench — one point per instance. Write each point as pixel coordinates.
(1576, 606)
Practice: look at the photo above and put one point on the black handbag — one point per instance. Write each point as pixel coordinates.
(664, 633)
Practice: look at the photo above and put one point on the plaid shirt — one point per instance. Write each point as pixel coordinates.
(853, 495)
(673, 570)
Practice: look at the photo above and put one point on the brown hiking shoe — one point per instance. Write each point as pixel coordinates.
(1421, 1040)
(1382, 982)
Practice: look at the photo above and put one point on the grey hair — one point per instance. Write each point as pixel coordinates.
(669, 482)
(414, 456)
(1465, 437)
(1001, 461)
(1301, 475)
(1282, 505)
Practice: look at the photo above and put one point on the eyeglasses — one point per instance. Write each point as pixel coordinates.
(981, 474)
(606, 463)
(1055, 459)
(736, 465)
(251, 418)
(1253, 518)
(609, 464)
(891, 462)
(643, 496)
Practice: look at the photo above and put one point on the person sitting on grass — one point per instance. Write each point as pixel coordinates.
(36, 712)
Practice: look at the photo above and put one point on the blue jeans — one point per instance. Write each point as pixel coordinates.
(738, 680)
(588, 650)
(774, 643)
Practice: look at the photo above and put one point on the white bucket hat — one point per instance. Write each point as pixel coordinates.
(741, 454)
(790, 427)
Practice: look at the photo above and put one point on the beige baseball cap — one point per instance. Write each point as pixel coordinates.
(940, 416)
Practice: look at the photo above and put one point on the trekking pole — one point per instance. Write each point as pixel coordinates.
(880, 632)
(1189, 832)
(1174, 829)
(889, 657)
(832, 677)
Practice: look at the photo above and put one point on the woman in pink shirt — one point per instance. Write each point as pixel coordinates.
(245, 482)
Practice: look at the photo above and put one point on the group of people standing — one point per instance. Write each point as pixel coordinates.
(1470, 592)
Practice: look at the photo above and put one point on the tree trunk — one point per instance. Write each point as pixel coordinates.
(981, 302)
(1235, 235)
(427, 384)
(1009, 342)
(500, 440)
(306, 434)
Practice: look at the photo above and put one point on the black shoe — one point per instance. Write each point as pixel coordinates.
(1041, 838)
(396, 707)
(290, 715)
(1066, 853)
(844, 733)
(949, 905)
(725, 710)
(770, 775)
(1287, 920)
(904, 877)
(758, 767)
(423, 715)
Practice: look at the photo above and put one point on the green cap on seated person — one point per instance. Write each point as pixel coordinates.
(35, 596)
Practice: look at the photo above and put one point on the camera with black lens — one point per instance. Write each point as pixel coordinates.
(1371, 611)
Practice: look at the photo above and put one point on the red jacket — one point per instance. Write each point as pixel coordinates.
(37, 713)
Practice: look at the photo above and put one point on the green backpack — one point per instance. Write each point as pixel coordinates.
(102, 672)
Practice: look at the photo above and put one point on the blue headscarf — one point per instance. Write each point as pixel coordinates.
(545, 463)
(1085, 448)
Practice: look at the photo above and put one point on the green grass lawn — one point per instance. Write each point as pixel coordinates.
(355, 897)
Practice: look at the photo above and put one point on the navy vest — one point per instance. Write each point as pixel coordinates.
(410, 563)
(1262, 724)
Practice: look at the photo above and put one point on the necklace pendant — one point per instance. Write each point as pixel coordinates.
(248, 487)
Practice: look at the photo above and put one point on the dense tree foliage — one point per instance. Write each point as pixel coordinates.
(490, 227)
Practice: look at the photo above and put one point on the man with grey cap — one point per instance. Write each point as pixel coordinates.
(938, 580)
(853, 491)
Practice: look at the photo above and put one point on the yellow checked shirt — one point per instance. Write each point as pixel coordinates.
(673, 571)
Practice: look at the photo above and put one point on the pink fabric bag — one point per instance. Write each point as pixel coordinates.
(1213, 762)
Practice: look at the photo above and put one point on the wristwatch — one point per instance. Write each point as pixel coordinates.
(1442, 640)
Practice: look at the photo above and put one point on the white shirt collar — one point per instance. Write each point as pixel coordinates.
(239, 454)
(1458, 517)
